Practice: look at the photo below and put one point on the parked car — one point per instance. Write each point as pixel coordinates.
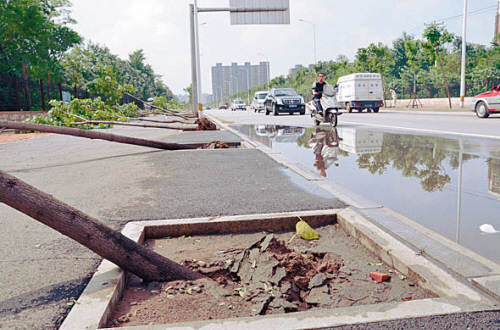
(284, 100)
(258, 101)
(223, 105)
(238, 104)
(486, 103)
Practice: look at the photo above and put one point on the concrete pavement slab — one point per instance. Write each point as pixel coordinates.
(115, 183)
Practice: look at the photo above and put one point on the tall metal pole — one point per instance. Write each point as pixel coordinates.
(248, 86)
(198, 72)
(194, 76)
(464, 53)
(314, 36)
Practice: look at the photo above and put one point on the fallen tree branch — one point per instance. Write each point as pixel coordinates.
(96, 122)
(170, 112)
(92, 134)
(163, 121)
(87, 231)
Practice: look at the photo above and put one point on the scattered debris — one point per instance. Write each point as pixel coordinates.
(268, 270)
(379, 277)
(215, 145)
(305, 231)
(486, 228)
(205, 125)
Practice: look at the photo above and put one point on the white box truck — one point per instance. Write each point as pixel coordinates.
(360, 91)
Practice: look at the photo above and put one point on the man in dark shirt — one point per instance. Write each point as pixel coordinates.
(318, 92)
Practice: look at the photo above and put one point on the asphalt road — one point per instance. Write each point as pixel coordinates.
(436, 121)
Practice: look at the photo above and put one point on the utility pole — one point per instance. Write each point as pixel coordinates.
(254, 18)
(194, 70)
(497, 25)
(464, 53)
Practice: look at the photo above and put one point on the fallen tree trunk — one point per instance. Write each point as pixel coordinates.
(93, 135)
(106, 242)
(96, 122)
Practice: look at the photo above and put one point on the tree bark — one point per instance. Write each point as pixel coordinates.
(192, 128)
(93, 135)
(106, 242)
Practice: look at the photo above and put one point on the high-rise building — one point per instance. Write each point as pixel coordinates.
(234, 78)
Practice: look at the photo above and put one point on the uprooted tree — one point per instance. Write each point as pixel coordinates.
(106, 242)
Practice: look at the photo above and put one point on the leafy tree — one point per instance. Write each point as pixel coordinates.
(413, 49)
(31, 43)
(437, 37)
(399, 54)
(108, 87)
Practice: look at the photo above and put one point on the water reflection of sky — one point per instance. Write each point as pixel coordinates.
(427, 193)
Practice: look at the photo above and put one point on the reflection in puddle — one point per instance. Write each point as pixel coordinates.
(325, 146)
(449, 185)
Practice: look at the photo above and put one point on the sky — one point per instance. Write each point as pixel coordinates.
(161, 29)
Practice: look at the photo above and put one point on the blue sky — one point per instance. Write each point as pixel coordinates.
(161, 28)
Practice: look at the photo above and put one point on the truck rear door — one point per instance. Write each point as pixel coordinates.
(362, 90)
(374, 90)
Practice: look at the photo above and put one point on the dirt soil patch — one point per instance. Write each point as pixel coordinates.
(9, 136)
(260, 274)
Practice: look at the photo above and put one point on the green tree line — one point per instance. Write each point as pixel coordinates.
(37, 43)
(428, 65)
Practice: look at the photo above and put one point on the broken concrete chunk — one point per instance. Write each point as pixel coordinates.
(237, 262)
(282, 303)
(317, 280)
(279, 274)
(318, 296)
(265, 244)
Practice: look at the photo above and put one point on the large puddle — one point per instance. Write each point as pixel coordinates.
(449, 185)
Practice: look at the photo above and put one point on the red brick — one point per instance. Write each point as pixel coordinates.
(379, 277)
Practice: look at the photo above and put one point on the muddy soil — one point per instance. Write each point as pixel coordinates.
(260, 274)
(9, 136)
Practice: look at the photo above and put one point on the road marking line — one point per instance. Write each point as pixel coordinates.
(426, 130)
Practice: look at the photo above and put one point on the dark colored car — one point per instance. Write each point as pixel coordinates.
(223, 105)
(284, 100)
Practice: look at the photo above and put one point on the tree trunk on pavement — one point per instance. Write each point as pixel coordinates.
(93, 135)
(106, 242)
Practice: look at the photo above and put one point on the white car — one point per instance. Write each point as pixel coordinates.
(257, 104)
(238, 104)
(486, 103)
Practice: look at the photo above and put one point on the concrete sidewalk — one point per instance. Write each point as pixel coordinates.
(117, 184)
(114, 183)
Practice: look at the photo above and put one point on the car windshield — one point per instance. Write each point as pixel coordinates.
(262, 96)
(285, 92)
(239, 102)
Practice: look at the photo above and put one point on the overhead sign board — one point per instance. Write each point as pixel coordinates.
(259, 11)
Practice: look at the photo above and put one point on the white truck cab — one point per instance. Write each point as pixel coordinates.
(360, 91)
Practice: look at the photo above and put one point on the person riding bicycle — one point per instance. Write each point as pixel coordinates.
(317, 89)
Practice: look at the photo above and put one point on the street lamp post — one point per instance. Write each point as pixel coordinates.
(268, 73)
(464, 51)
(314, 36)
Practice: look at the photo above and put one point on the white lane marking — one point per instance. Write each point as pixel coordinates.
(425, 130)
